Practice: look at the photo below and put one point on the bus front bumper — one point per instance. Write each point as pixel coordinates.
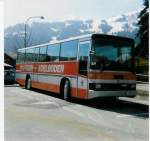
(96, 94)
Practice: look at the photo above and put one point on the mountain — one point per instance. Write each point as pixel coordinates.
(38, 33)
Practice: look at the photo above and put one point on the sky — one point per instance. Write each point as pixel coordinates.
(17, 11)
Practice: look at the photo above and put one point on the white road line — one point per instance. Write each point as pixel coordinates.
(120, 116)
(45, 102)
(85, 113)
(79, 113)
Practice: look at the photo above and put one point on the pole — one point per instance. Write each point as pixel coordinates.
(25, 28)
(25, 35)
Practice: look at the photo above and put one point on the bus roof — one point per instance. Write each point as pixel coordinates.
(85, 37)
(60, 41)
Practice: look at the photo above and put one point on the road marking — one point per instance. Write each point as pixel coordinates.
(83, 112)
(139, 114)
(79, 113)
(44, 102)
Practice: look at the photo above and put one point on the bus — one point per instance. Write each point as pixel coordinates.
(84, 67)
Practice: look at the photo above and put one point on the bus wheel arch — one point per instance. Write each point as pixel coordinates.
(28, 82)
(65, 89)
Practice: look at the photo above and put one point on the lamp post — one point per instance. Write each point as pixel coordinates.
(25, 28)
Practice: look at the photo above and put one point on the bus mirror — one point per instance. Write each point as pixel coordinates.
(92, 53)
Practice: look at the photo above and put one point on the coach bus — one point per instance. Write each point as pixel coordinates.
(84, 67)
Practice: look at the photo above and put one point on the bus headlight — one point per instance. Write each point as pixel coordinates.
(94, 86)
(124, 85)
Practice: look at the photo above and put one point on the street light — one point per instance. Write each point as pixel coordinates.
(25, 27)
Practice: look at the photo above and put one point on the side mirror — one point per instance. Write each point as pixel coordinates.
(93, 58)
(92, 53)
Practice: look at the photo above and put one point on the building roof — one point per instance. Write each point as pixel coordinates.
(7, 65)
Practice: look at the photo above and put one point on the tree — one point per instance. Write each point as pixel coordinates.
(142, 48)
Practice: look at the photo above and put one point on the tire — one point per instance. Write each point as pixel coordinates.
(28, 84)
(66, 91)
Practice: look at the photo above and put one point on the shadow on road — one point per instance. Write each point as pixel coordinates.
(118, 106)
(114, 105)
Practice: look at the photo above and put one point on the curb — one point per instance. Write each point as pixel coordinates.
(141, 82)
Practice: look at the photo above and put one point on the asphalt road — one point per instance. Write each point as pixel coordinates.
(41, 116)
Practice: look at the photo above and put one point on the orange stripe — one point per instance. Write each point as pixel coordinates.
(82, 93)
(20, 81)
(130, 77)
(70, 68)
(17, 66)
(110, 75)
(44, 86)
(74, 92)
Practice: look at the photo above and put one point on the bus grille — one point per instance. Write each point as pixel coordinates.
(112, 87)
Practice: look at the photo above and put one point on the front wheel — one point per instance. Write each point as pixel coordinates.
(66, 91)
(28, 83)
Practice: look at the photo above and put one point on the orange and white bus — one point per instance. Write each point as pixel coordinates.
(84, 67)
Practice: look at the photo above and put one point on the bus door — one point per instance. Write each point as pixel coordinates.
(84, 47)
(35, 70)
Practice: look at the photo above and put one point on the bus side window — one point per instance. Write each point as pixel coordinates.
(42, 56)
(83, 57)
(21, 56)
(69, 50)
(29, 55)
(36, 55)
(18, 57)
(53, 52)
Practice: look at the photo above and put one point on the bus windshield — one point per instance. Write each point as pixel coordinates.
(112, 55)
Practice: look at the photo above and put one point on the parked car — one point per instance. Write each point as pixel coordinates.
(9, 74)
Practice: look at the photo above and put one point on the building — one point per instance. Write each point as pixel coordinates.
(9, 60)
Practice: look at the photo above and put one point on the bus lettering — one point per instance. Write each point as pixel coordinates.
(51, 68)
(26, 68)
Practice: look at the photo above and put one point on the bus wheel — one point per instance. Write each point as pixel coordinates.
(66, 91)
(28, 83)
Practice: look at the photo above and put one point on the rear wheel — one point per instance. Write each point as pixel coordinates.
(28, 83)
(66, 91)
